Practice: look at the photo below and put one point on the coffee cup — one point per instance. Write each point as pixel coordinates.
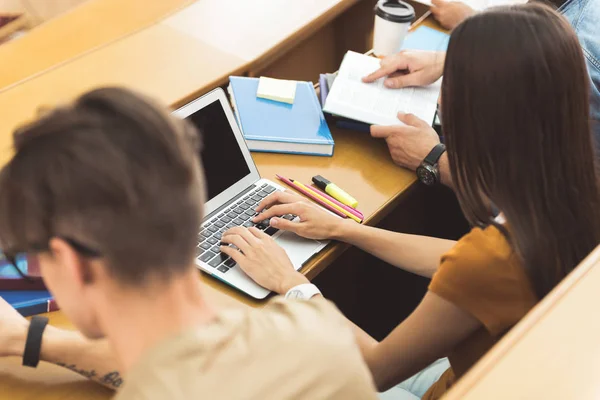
(392, 20)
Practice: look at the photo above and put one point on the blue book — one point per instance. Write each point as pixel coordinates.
(29, 302)
(427, 39)
(275, 127)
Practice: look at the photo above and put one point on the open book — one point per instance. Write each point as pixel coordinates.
(482, 4)
(373, 103)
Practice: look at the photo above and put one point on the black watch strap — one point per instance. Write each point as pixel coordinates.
(33, 344)
(435, 154)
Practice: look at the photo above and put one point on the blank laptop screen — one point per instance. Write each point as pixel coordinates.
(224, 163)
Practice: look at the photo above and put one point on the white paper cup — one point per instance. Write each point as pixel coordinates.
(392, 20)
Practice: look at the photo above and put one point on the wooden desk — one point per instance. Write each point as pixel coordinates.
(553, 353)
(176, 63)
(83, 29)
(270, 28)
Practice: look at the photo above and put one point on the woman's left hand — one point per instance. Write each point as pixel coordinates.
(262, 259)
(450, 13)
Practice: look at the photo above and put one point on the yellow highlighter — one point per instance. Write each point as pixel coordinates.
(329, 203)
(334, 191)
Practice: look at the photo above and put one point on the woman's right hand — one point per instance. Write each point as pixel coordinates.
(315, 222)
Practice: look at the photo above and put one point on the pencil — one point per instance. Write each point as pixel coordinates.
(308, 194)
(419, 21)
(329, 203)
(337, 203)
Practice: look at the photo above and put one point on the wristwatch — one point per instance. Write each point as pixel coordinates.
(428, 172)
(33, 343)
(303, 292)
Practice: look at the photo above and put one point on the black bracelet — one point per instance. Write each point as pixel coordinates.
(33, 344)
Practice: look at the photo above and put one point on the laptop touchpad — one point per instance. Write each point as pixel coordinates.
(298, 249)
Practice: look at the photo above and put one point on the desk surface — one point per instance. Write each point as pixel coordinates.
(174, 63)
(83, 29)
(268, 26)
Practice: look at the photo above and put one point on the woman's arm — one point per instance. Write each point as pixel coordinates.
(414, 253)
(430, 332)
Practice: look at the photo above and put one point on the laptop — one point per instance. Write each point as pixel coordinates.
(234, 189)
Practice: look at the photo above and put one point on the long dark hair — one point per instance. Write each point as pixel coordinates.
(516, 120)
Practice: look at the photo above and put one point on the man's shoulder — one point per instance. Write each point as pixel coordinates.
(287, 349)
(315, 335)
(315, 324)
(317, 316)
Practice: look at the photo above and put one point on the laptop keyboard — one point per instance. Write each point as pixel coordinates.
(238, 213)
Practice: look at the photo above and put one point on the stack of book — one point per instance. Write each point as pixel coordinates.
(325, 84)
(353, 104)
(280, 116)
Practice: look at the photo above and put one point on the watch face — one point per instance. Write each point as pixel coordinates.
(427, 175)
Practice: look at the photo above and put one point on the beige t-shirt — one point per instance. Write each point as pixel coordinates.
(287, 350)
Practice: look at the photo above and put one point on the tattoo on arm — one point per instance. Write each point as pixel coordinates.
(112, 379)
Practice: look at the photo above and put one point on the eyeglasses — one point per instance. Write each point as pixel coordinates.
(31, 271)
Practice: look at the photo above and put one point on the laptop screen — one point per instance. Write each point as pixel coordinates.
(224, 163)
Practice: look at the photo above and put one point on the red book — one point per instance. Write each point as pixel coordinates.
(11, 280)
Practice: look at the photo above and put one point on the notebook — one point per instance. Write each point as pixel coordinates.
(325, 83)
(30, 302)
(270, 126)
(426, 39)
(280, 90)
(373, 103)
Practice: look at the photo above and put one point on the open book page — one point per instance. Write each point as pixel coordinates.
(374, 103)
(482, 4)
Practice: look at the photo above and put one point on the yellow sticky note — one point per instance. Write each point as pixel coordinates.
(276, 90)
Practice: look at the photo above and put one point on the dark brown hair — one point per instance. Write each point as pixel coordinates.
(112, 171)
(516, 120)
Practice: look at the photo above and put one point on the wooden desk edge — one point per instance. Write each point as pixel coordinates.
(541, 311)
(283, 47)
(85, 52)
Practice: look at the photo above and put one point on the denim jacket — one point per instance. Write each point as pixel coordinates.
(584, 16)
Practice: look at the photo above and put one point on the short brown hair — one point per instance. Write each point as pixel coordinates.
(116, 173)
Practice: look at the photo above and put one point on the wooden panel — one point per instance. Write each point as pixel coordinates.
(354, 29)
(269, 27)
(44, 10)
(553, 353)
(306, 61)
(133, 63)
(324, 50)
(93, 24)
